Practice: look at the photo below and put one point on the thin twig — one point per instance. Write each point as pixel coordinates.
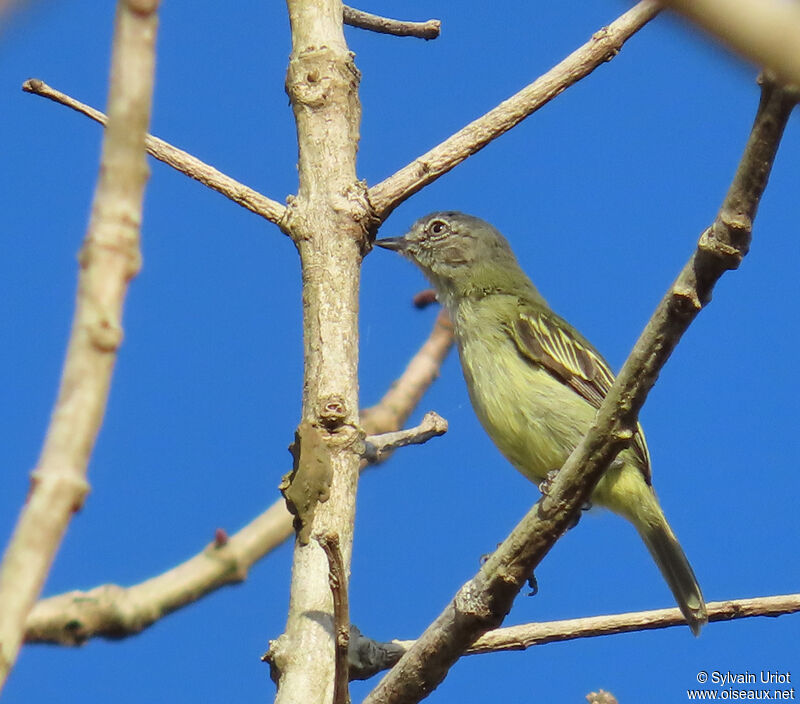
(527, 635)
(603, 46)
(176, 158)
(379, 447)
(337, 577)
(384, 25)
(109, 259)
(374, 656)
(112, 611)
(766, 32)
(482, 603)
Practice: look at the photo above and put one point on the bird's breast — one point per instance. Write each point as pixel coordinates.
(532, 417)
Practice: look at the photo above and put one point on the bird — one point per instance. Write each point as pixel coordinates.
(534, 381)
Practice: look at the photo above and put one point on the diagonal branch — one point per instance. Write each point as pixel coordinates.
(384, 25)
(483, 602)
(112, 611)
(109, 259)
(603, 46)
(176, 158)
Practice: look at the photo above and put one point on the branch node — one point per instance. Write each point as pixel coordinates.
(68, 481)
(333, 413)
(606, 36)
(737, 229)
(685, 297)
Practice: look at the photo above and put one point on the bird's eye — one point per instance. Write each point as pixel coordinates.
(438, 227)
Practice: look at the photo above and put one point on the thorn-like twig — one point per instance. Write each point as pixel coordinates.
(176, 158)
(424, 298)
(384, 25)
(337, 578)
(378, 447)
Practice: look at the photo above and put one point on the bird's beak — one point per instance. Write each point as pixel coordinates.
(396, 244)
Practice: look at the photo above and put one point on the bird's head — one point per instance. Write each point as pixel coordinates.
(459, 253)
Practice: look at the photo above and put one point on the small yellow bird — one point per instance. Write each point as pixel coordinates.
(534, 381)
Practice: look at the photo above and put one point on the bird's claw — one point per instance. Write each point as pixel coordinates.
(547, 482)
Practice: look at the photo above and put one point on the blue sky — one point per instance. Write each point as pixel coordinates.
(602, 194)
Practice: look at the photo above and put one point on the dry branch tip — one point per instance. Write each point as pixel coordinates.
(378, 447)
(427, 30)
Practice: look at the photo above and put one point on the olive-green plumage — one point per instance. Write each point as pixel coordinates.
(534, 381)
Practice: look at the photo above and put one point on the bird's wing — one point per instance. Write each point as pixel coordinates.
(572, 361)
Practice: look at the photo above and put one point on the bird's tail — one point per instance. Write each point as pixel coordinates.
(675, 568)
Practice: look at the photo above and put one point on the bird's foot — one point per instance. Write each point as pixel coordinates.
(486, 556)
(577, 517)
(547, 482)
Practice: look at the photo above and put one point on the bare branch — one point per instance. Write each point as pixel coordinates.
(378, 447)
(384, 25)
(109, 259)
(603, 46)
(525, 636)
(765, 32)
(176, 158)
(337, 576)
(482, 603)
(373, 656)
(329, 222)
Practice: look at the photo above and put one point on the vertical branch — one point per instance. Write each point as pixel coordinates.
(328, 222)
(109, 258)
